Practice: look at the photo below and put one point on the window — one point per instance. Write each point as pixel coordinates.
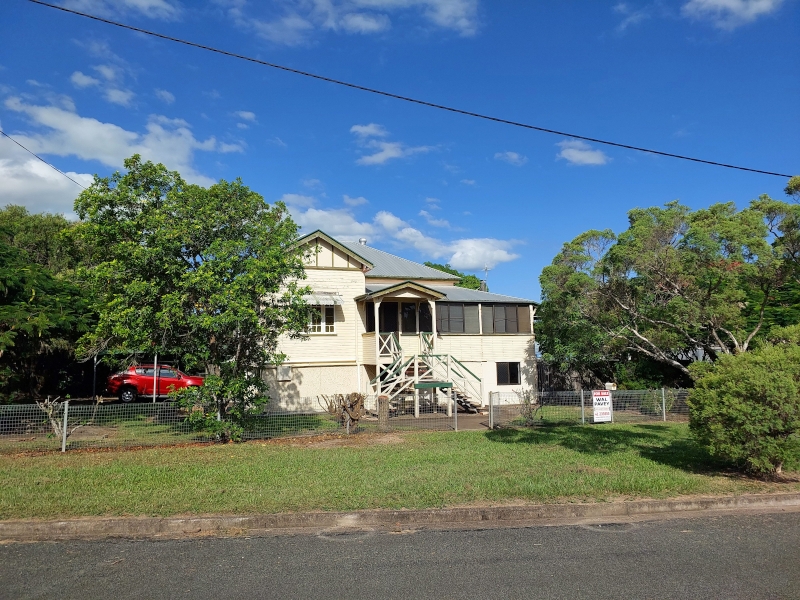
(168, 373)
(322, 319)
(507, 373)
(408, 316)
(506, 318)
(453, 317)
(369, 309)
(425, 318)
(388, 317)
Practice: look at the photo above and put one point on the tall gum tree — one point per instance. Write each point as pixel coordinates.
(676, 286)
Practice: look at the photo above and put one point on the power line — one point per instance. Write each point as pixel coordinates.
(43, 160)
(404, 98)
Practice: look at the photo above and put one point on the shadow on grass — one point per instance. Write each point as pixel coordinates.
(661, 444)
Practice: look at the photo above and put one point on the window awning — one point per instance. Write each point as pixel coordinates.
(323, 299)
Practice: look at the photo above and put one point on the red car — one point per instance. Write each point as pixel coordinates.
(137, 381)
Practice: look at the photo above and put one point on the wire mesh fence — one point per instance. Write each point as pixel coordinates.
(41, 426)
(508, 409)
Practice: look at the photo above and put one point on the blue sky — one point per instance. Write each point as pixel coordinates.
(717, 79)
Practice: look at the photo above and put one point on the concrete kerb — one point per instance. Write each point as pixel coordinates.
(338, 523)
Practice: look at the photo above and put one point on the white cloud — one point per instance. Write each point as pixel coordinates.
(434, 221)
(80, 80)
(121, 97)
(364, 23)
(358, 201)
(464, 253)
(290, 30)
(389, 222)
(371, 130)
(29, 182)
(278, 142)
(242, 126)
(246, 115)
(298, 200)
(64, 132)
(512, 158)
(631, 16)
(165, 96)
(383, 152)
(433, 203)
(475, 253)
(386, 151)
(110, 72)
(468, 181)
(301, 19)
(729, 14)
(314, 184)
(155, 9)
(577, 152)
(335, 222)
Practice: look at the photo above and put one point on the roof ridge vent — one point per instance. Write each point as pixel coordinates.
(362, 241)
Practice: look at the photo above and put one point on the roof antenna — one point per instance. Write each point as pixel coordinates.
(484, 284)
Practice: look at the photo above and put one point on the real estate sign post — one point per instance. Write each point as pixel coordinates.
(601, 403)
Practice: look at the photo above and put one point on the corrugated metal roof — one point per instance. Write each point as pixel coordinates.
(458, 294)
(389, 265)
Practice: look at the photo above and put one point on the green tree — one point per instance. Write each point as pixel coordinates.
(677, 285)
(41, 317)
(44, 238)
(793, 187)
(206, 274)
(746, 407)
(467, 281)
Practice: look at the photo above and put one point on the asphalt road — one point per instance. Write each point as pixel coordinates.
(742, 556)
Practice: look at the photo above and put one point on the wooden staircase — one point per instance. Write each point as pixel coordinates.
(402, 376)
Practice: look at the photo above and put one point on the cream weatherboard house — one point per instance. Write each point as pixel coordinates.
(384, 325)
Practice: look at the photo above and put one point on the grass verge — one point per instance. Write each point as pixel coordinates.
(415, 470)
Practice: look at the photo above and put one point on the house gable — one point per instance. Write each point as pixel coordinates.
(321, 251)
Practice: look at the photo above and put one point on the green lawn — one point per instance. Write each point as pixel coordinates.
(414, 470)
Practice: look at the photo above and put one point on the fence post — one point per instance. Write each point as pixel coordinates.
(64, 428)
(491, 410)
(663, 404)
(455, 409)
(583, 411)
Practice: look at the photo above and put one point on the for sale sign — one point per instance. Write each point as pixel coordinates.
(601, 402)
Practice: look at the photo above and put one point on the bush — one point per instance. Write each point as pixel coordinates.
(746, 407)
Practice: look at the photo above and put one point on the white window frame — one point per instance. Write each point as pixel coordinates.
(327, 320)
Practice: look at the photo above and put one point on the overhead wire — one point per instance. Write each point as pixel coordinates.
(405, 98)
(55, 168)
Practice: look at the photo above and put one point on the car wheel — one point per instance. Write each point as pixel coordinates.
(128, 394)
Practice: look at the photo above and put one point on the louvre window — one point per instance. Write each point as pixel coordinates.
(506, 318)
(508, 373)
(322, 320)
(454, 317)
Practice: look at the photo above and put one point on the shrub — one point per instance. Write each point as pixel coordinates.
(746, 407)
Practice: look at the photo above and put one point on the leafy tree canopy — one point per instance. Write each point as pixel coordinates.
(40, 315)
(44, 238)
(206, 274)
(678, 285)
(467, 281)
